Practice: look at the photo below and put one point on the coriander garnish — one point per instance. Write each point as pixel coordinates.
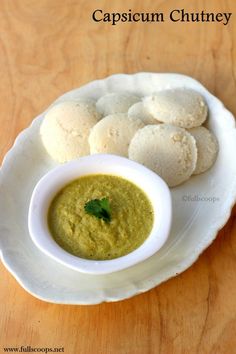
(99, 208)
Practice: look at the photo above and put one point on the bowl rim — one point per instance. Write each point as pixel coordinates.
(54, 180)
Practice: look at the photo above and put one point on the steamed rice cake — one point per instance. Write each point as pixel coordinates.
(139, 111)
(113, 133)
(115, 103)
(66, 127)
(182, 107)
(169, 151)
(207, 147)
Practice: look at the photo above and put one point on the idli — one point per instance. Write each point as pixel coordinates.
(207, 147)
(139, 111)
(115, 103)
(66, 127)
(113, 133)
(182, 107)
(169, 151)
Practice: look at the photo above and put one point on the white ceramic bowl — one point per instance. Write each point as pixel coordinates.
(48, 186)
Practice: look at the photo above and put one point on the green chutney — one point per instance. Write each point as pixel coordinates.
(87, 236)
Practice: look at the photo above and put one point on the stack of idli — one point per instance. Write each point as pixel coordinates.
(178, 147)
(163, 131)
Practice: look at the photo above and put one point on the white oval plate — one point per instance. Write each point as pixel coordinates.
(195, 221)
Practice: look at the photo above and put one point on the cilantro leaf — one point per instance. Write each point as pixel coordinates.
(99, 208)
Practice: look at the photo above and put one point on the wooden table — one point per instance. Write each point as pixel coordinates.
(48, 47)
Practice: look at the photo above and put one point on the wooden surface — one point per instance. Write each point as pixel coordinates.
(48, 47)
